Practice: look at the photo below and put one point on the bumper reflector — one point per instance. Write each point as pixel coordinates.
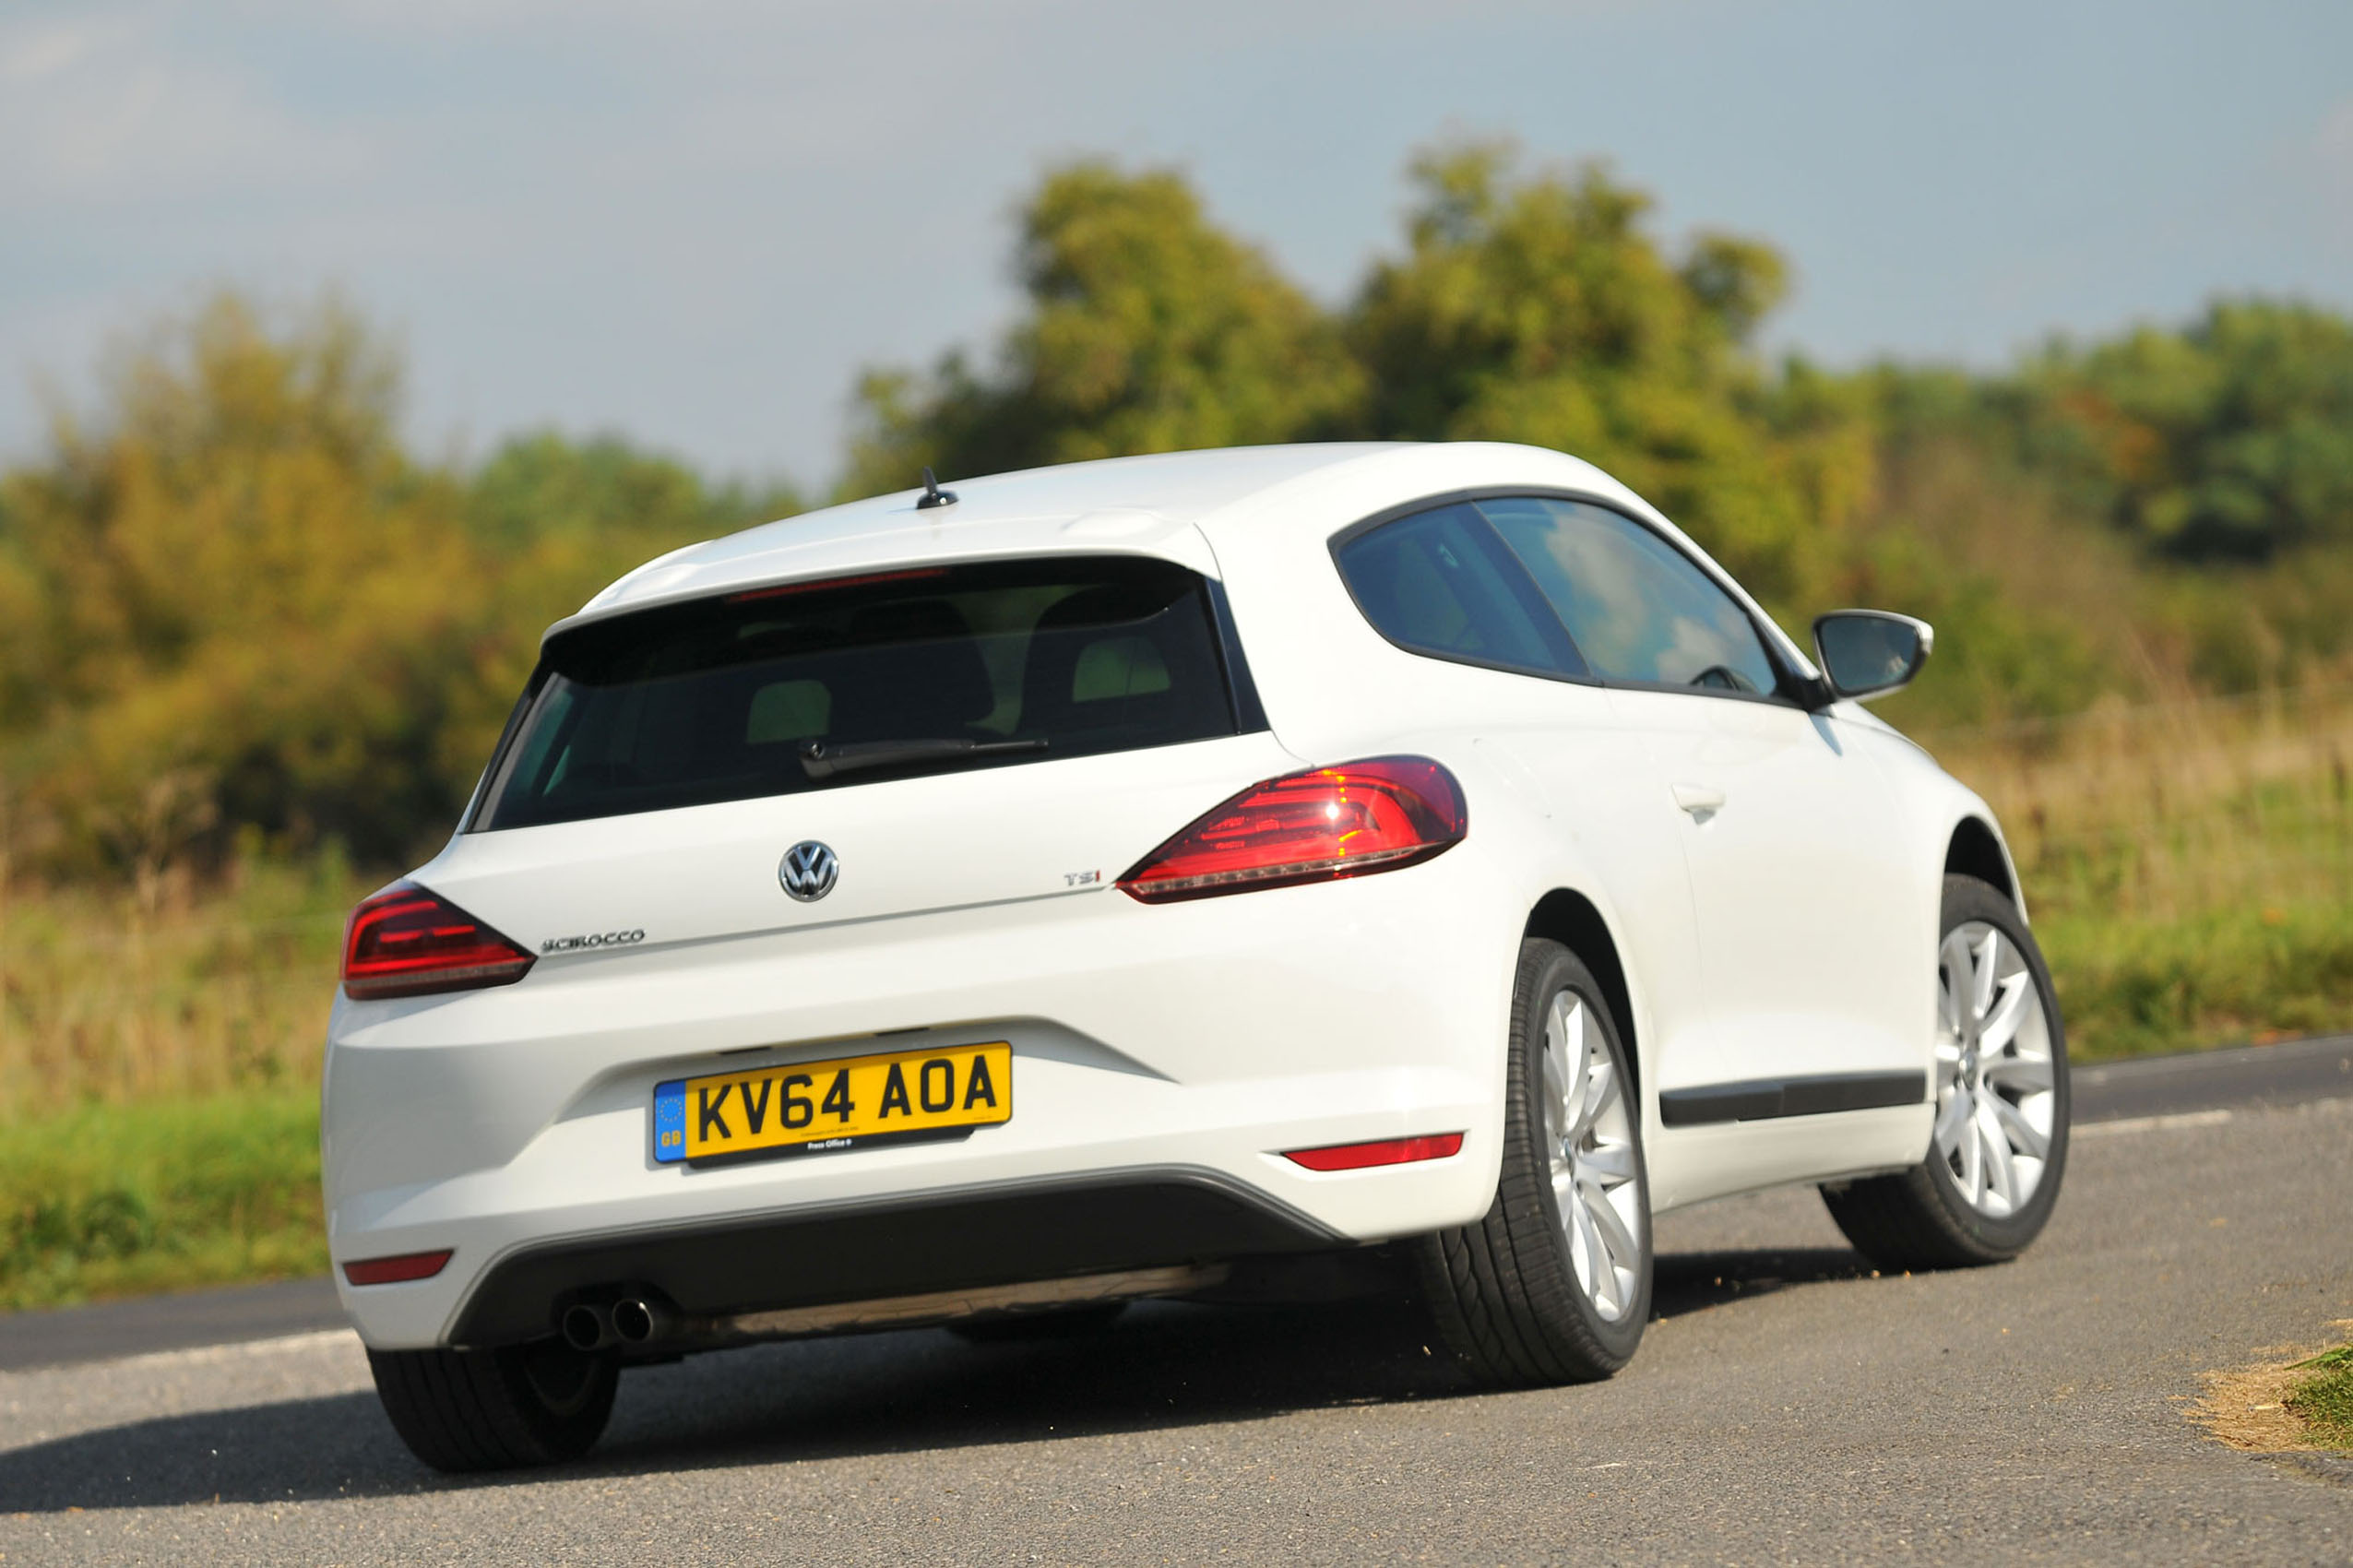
(394, 1271)
(1387, 1151)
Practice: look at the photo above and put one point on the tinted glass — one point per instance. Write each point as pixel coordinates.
(1441, 582)
(1638, 607)
(716, 700)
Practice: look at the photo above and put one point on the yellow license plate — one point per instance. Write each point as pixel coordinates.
(852, 1102)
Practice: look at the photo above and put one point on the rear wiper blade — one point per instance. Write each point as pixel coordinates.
(819, 760)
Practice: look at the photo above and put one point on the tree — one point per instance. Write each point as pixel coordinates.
(239, 587)
(541, 486)
(231, 601)
(1149, 330)
(2230, 441)
(1538, 309)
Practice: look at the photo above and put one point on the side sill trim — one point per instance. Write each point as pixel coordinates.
(1764, 1099)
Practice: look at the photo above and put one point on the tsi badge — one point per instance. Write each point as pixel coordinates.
(809, 871)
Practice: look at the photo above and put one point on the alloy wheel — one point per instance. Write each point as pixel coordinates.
(1590, 1136)
(1995, 1081)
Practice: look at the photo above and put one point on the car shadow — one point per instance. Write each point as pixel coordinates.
(1689, 1282)
(1161, 1365)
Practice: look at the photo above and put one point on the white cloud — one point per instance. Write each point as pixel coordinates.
(108, 110)
(2331, 159)
(2334, 144)
(33, 51)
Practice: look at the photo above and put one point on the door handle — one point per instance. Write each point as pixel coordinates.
(1703, 800)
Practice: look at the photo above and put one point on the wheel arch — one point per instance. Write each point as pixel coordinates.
(1976, 850)
(1571, 919)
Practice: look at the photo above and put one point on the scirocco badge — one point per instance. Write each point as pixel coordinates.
(594, 939)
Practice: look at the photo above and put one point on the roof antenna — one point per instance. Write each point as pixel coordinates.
(933, 494)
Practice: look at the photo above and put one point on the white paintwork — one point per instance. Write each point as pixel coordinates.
(1789, 835)
(1787, 927)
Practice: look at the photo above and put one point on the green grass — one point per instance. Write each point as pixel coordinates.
(2324, 1400)
(2189, 866)
(2223, 977)
(111, 1200)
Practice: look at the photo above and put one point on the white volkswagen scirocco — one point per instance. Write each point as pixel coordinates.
(1142, 878)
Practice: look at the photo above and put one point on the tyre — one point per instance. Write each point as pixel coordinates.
(498, 1409)
(1553, 1285)
(1030, 1328)
(1998, 1144)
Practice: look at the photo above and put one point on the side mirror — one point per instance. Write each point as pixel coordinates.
(1868, 653)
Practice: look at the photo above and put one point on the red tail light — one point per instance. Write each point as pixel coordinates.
(1346, 821)
(407, 942)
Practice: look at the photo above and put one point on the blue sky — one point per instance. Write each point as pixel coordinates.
(693, 223)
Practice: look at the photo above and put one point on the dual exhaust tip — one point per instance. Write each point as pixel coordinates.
(630, 1321)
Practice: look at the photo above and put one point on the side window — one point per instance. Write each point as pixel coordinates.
(1439, 582)
(1639, 608)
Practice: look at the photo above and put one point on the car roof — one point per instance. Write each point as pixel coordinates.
(1164, 504)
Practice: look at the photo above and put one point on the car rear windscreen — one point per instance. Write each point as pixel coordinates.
(855, 680)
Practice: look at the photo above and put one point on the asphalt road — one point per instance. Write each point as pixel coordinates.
(1787, 1405)
(2266, 1075)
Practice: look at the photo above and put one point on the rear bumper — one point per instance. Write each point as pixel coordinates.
(1124, 1221)
(1163, 1059)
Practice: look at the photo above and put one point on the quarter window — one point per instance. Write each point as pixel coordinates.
(1639, 608)
(1441, 582)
